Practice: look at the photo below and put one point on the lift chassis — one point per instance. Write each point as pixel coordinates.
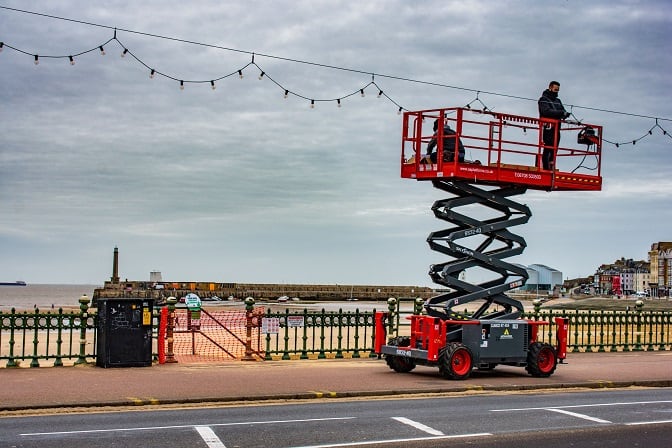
(481, 212)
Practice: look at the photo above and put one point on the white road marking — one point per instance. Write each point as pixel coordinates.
(209, 437)
(581, 406)
(152, 428)
(577, 415)
(381, 442)
(419, 426)
(656, 422)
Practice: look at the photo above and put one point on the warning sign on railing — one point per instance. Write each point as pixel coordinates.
(270, 325)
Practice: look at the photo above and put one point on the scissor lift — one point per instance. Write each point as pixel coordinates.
(502, 158)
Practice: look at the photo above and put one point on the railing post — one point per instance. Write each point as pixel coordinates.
(11, 362)
(638, 308)
(355, 354)
(58, 362)
(417, 305)
(339, 338)
(36, 340)
(84, 317)
(392, 310)
(304, 338)
(601, 345)
(285, 352)
(170, 330)
(249, 310)
(626, 333)
(322, 354)
(537, 308)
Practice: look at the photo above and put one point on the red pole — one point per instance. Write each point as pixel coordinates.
(161, 343)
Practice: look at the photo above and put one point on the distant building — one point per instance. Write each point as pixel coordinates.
(660, 281)
(542, 278)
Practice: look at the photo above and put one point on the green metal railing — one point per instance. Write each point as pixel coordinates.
(37, 336)
(49, 335)
(610, 331)
(322, 334)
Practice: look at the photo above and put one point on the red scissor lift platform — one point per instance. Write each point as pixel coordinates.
(489, 157)
(501, 149)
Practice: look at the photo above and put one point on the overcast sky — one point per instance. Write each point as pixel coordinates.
(242, 185)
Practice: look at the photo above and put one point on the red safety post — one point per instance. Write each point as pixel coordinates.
(381, 332)
(561, 335)
(161, 337)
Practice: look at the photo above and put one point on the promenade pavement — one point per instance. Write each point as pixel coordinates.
(91, 386)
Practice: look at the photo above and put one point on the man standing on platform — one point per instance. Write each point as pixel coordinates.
(550, 106)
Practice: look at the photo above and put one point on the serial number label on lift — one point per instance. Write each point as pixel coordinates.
(505, 325)
(527, 175)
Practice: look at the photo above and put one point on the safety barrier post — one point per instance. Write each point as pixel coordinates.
(638, 309)
(170, 327)
(161, 335)
(249, 310)
(84, 317)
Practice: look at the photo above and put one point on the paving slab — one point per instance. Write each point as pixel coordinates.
(91, 386)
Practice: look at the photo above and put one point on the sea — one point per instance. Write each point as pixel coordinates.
(43, 296)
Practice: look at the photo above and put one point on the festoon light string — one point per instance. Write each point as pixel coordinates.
(263, 74)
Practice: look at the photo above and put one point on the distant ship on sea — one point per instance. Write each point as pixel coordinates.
(16, 283)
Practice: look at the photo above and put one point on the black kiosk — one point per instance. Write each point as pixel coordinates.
(124, 332)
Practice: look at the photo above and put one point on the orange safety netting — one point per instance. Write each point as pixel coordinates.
(215, 335)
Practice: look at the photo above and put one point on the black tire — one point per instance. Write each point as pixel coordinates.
(455, 361)
(541, 360)
(400, 364)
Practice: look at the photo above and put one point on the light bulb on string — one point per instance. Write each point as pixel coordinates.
(102, 50)
(338, 101)
(361, 91)
(312, 104)
(380, 93)
(261, 75)
(212, 84)
(181, 85)
(123, 53)
(72, 60)
(37, 59)
(2, 44)
(240, 74)
(286, 93)
(399, 111)
(151, 74)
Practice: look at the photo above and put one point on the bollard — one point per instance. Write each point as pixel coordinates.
(170, 326)
(84, 307)
(249, 310)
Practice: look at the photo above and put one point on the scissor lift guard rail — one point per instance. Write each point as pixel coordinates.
(483, 158)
